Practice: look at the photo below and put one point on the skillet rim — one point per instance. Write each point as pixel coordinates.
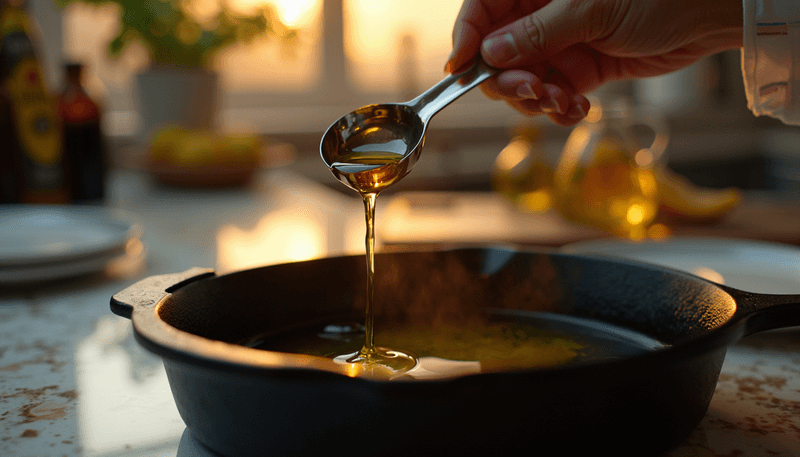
(153, 333)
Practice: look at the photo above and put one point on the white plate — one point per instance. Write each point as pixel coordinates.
(752, 266)
(26, 275)
(34, 235)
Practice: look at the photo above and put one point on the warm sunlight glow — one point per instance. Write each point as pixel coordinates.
(263, 65)
(268, 64)
(635, 214)
(374, 37)
(287, 235)
(397, 48)
(637, 233)
(296, 13)
(293, 13)
(107, 359)
(355, 232)
(87, 30)
(512, 155)
(595, 113)
(537, 201)
(577, 142)
(352, 369)
(710, 274)
(658, 232)
(647, 182)
(204, 10)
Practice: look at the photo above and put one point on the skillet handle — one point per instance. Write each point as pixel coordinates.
(762, 312)
(149, 291)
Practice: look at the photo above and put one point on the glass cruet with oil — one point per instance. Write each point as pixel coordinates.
(522, 172)
(605, 176)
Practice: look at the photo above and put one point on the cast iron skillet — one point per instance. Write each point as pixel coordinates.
(241, 401)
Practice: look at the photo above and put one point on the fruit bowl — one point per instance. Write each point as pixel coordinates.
(208, 176)
(196, 158)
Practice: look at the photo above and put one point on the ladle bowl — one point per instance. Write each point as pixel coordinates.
(398, 122)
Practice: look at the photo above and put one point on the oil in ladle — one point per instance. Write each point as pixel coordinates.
(368, 169)
(372, 148)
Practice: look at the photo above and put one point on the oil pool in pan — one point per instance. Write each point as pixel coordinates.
(371, 149)
(498, 340)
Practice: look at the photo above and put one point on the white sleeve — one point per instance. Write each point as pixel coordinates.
(771, 58)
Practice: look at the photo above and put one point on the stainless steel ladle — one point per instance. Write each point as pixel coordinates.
(404, 122)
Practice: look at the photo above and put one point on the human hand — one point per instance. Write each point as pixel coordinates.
(553, 51)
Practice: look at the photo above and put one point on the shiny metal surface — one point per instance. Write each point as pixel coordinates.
(410, 118)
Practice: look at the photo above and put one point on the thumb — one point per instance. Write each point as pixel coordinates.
(535, 37)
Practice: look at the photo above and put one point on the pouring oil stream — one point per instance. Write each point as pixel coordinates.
(369, 150)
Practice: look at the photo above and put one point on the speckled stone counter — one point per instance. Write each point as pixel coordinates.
(73, 382)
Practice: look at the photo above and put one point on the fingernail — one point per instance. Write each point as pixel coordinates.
(458, 36)
(500, 49)
(458, 46)
(547, 106)
(525, 90)
(576, 112)
(559, 108)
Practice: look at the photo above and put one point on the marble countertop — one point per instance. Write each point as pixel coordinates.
(73, 382)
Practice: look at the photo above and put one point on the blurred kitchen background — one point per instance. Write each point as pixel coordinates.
(354, 52)
(212, 160)
(319, 59)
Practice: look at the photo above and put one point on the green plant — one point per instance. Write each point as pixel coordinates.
(175, 35)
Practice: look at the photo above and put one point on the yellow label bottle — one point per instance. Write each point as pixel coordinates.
(34, 111)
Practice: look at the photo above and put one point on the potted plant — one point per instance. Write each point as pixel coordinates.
(180, 86)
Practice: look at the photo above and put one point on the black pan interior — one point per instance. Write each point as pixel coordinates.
(243, 307)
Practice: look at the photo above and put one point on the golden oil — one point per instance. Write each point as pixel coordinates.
(523, 175)
(368, 168)
(608, 183)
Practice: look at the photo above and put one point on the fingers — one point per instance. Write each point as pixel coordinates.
(580, 68)
(539, 35)
(556, 101)
(579, 106)
(514, 84)
(545, 28)
(579, 65)
(474, 21)
(527, 92)
(477, 19)
(548, 98)
(466, 42)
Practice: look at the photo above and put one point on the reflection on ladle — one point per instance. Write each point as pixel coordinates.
(398, 128)
(371, 149)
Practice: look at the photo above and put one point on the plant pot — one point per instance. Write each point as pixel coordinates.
(181, 96)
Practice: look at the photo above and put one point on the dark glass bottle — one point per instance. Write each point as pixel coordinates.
(9, 153)
(83, 139)
(34, 124)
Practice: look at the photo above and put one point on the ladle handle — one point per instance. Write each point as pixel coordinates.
(450, 88)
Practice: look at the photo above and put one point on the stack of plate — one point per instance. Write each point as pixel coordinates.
(42, 243)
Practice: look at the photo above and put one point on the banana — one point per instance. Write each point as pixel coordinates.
(681, 199)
